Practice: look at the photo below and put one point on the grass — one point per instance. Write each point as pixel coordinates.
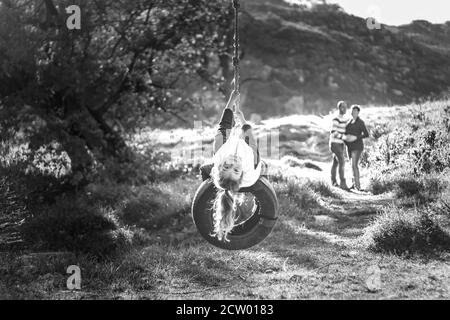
(398, 230)
(106, 219)
(297, 261)
(323, 188)
(298, 199)
(152, 206)
(155, 251)
(420, 189)
(290, 264)
(73, 226)
(412, 163)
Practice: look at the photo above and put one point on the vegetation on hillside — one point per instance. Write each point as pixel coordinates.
(77, 94)
(412, 159)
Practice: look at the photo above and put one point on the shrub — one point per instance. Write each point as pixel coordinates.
(10, 202)
(397, 230)
(111, 194)
(71, 225)
(379, 130)
(442, 208)
(33, 188)
(422, 188)
(378, 185)
(406, 184)
(420, 144)
(142, 211)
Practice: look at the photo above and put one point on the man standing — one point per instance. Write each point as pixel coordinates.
(337, 145)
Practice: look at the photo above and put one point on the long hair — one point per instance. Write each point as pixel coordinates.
(225, 204)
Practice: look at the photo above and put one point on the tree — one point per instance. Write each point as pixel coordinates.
(82, 91)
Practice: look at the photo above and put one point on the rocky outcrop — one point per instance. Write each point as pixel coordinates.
(302, 60)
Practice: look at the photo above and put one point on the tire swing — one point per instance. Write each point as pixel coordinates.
(261, 218)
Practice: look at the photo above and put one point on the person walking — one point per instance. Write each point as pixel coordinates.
(356, 127)
(337, 145)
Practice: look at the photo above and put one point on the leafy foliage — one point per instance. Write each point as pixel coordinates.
(73, 226)
(412, 160)
(414, 156)
(85, 90)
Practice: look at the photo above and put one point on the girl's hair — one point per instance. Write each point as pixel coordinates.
(225, 204)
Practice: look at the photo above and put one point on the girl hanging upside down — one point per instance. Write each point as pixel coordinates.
(236, 164)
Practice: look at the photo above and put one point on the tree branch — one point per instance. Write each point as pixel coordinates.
(116, 95)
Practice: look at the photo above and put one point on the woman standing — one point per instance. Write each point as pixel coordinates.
(357, 128)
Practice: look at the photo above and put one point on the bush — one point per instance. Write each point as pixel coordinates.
(33, 188)
(142, 211)
(71, 225)
(378, 185)
(423, 189)
(406, 184)
(442, 208)
(10, 202)
(379, 130)
(408, 187)
(421, 144)
(397, 230)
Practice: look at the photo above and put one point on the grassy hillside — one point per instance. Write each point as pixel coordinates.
(304, 60)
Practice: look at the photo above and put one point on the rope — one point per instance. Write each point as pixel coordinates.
(236, 6)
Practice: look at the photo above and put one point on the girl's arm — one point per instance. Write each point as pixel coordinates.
(232, 100)
(240, 117)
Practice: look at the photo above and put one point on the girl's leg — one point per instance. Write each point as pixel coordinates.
(225, 125)
(227, 120)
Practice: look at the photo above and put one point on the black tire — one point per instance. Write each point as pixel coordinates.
(247, 234)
